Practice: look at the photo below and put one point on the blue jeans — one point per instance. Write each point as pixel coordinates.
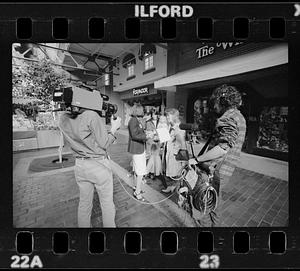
(91, 174)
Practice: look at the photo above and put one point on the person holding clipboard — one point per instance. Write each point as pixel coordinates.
(136, 146)
(154, 166)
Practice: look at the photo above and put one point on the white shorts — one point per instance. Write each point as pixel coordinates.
(139, 164)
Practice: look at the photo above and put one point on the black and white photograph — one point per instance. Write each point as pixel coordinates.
(117, 135)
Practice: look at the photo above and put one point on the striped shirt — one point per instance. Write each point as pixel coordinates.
(229, 134)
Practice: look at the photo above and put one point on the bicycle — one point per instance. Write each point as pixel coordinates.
(195, 188)
(185, 169)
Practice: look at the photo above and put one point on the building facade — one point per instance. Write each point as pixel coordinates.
(258, 70)
(133, 79)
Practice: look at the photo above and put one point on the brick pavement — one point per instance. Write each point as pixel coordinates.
(50, 199)
(250, 199)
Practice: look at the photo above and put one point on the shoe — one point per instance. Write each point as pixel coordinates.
(144, 180)
(138, 196)
(169, 189)
(142, 191)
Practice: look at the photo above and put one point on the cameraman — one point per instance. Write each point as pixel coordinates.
(87, 135)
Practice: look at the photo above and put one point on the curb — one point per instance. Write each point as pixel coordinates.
(167, 207)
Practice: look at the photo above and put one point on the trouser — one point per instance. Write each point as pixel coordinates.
(213, 218)
(90, 174)
(162, 177)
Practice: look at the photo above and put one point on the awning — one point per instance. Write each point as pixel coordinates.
(261, 59)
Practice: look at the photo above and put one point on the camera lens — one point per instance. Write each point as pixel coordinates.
(104, 97)
(115, 108)
(110, 109)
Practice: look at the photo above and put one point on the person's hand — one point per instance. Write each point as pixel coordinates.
(156, 138)
(193, 161)
(149, 134)
(115, 124)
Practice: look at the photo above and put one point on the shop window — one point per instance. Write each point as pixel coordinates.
(201, 117)
(148, 61)
(130, 69)
(273, 128)
(106, 79)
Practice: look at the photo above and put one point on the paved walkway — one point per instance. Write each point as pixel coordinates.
(251, 199)
(50, 198)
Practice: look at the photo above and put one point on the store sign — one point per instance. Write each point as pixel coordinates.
(140, 91)
(208, 50)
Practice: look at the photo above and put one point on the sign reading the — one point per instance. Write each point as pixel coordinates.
(140, 91)
(207, 50)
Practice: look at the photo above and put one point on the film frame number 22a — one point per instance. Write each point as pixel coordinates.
(25, 262)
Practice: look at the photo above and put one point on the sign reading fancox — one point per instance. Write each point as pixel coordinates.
(140, 91)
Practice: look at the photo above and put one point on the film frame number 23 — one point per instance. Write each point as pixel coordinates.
(209, 261)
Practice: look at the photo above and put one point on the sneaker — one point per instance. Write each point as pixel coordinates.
(142, 191)
(138, 196)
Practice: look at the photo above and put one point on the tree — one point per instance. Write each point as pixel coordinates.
(32, 79)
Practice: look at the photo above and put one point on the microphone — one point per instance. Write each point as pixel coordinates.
(189, 126)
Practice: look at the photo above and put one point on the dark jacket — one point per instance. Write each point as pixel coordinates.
(137, 137)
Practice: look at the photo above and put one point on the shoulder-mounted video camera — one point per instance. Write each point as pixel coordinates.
(87, 98)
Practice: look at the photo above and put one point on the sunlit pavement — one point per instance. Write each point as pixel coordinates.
(50, 198)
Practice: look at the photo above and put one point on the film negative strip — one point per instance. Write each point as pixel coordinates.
(150, 135)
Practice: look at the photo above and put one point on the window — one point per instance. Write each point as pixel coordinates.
(202, 118)
(130, 69)
(273, 128)
(148, 61)
(106, 79)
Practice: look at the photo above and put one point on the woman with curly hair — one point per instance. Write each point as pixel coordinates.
(227, 140)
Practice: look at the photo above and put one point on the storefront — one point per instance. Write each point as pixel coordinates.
(258, 70)
(146, 95)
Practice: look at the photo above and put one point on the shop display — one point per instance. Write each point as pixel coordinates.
(273, 129)
(201, 118)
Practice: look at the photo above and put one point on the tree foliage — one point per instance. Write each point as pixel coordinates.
(37, 79)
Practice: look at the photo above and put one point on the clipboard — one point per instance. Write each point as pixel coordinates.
(163, 134)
